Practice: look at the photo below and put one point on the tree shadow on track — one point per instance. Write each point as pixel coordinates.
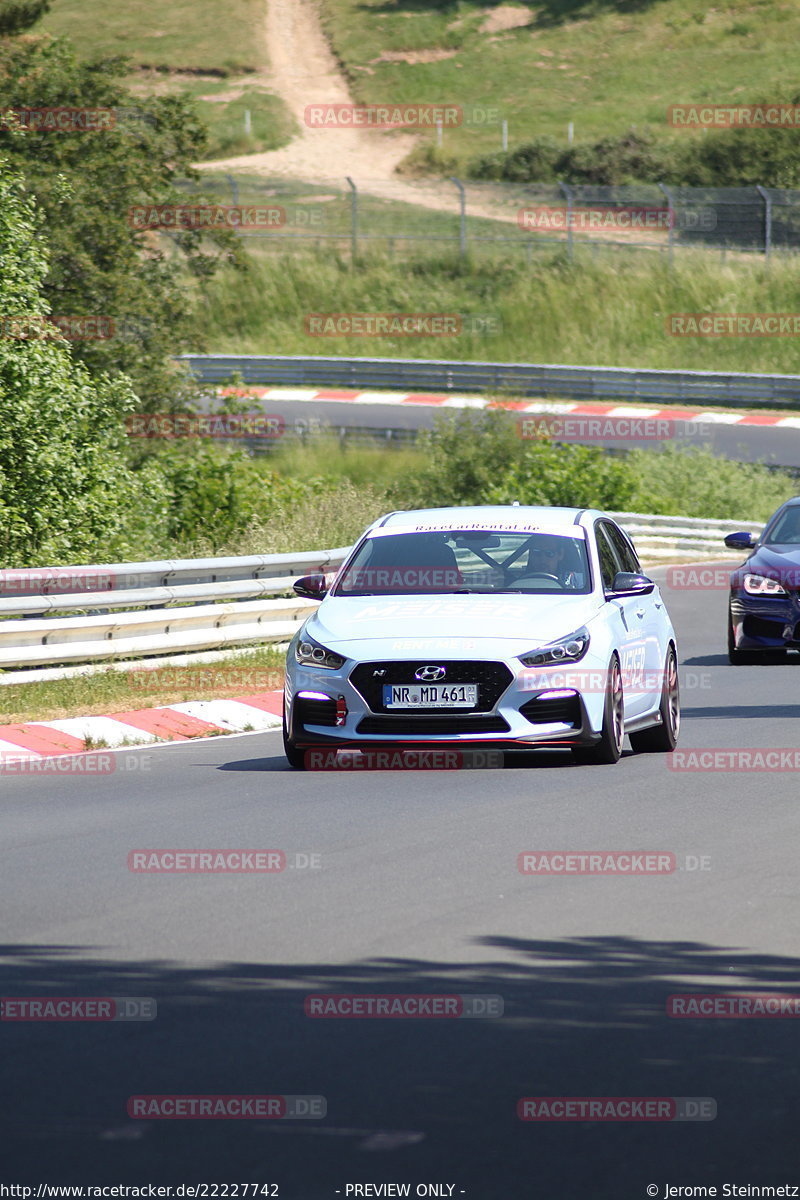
(408, 1100)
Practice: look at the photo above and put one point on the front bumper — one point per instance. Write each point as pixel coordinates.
(510, 714)
(765, 622)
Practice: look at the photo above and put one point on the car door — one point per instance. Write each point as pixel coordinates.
(654, 620)
(636, 652)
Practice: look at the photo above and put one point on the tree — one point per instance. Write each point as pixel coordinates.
(18, 15)
(86, 181)
(65, 488)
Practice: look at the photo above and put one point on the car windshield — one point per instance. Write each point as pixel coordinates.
(467, 561)
(786, 530)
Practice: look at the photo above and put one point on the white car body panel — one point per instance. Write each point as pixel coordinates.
(488, 629)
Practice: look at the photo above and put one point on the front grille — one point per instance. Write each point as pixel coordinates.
(492, 679)
(558, 708)
(405, 725)
(761, 627)
(314, 712)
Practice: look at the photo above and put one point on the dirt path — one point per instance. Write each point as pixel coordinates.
(304, 71)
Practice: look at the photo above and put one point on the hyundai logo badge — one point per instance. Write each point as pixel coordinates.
(430, 674)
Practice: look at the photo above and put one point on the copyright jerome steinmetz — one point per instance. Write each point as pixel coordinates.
(668, 1190)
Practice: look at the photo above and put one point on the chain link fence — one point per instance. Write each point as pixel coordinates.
(405, 217)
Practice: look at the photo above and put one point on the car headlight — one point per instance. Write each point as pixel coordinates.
(308, 653)
(566, 649)
(761, 585)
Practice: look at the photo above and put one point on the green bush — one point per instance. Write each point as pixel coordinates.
(478, 458)
(718, 158)
(634, 157)
(741, 158)
(465, 456)
(209, 494)
(537, 161)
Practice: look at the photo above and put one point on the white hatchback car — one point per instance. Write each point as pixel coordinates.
(505, 626)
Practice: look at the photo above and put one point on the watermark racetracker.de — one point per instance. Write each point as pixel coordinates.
(733, 1005)
(745, 759)
(720, 324)
(402, 1006)
(223, 426)
(399, 324)
(78, 1008)
(611, 427)
(617, 1108)
(608, 862)
(59, 765)
(226, 1107)
(396, 758)
(223, 861)
(734, 116)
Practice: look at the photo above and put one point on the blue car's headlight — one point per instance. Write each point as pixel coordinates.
(308, 653)
(565, 650)
(762, 585)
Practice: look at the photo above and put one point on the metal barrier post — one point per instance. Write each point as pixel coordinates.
(353, 220)
(671, 233)
(568, 193)
(765, 196)
(462, 237)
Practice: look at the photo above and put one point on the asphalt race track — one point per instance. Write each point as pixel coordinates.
(775, 445)
(417, 891)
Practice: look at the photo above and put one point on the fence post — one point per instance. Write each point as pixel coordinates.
(234, 188)
(671, 233)
(462, 237)
(505, 135)
(765, 196)
(353, 219)
(568, 193)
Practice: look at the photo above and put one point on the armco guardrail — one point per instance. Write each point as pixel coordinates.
(41, 641)
(222, 602)
(706, 388)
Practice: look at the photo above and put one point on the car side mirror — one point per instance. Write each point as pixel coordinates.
(739, 541)
(311, 587)
(627, 583)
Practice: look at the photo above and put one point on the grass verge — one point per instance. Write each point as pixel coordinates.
(600, 64)
(614, 311)
(121, 691)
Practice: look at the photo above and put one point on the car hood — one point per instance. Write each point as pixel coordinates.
(778, 562)
(439, 622)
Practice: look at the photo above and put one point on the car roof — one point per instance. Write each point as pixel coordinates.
(488, 514)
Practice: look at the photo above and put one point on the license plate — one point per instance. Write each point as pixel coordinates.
(430, 695)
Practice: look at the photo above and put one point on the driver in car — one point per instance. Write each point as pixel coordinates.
(549, 556)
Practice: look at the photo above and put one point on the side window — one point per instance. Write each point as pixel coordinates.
(624, 550)
(608, 560)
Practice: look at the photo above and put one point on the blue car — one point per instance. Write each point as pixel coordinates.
(505, 626)
(764, 607)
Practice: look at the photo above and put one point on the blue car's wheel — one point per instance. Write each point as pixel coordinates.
(735, 656)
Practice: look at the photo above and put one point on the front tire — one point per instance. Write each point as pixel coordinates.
(663, 738)
(737, 657)
(609, 749)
